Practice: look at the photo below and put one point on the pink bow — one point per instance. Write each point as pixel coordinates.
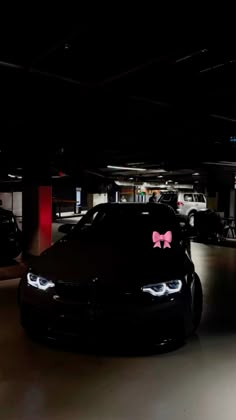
(157, 238)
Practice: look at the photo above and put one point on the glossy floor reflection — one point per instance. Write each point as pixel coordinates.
(198, 381)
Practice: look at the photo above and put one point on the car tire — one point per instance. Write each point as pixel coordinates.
(197, 303)
(191, 219)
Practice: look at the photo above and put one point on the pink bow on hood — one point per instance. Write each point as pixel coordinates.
(157, 238)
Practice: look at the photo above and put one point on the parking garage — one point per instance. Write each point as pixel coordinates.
(80, 130)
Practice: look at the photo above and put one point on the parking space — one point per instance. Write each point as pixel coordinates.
(196, 381)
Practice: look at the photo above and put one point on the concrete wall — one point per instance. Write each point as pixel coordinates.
(12, 201)
(95, 199)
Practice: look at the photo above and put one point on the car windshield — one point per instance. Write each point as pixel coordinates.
(129, 221)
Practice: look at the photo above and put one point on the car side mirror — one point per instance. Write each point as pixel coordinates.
(86, 227)
(66, 228)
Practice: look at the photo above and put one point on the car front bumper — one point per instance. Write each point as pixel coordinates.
(158, 320)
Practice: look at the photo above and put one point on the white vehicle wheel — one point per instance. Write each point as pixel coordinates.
(191, 219)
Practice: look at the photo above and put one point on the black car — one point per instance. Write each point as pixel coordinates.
(10, 236)
(123, 271)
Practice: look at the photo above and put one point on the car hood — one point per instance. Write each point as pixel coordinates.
(115, 263)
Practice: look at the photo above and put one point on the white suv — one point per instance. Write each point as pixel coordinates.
(185, 203)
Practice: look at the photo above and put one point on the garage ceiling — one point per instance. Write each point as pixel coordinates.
(80, 95)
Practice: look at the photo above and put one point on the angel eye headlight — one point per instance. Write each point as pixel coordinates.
(39, 282)
(161, 289)
(174, 286)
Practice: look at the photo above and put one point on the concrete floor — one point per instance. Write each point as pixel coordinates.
(197, 381)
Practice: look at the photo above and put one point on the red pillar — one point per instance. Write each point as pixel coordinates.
(45, 217)
(37, 219)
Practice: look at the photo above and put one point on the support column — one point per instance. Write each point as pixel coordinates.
(134, 193)
(212, 200)
(37, 219)
(90, 201)
(117, 196)
(232, 203)
(212, 192)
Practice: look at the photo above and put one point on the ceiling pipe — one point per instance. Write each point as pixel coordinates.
(42, 73)
(222, 117)
(11, 65)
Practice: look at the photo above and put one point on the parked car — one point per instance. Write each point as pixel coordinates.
(209, 226)
(122, 271)
(10, 236)
(184, 203)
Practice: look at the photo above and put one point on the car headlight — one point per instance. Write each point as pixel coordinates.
(39, 282)
(161, 289)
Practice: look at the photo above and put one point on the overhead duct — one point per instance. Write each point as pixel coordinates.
(154, 185)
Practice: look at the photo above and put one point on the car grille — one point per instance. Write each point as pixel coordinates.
(74, 291)
(93, 293)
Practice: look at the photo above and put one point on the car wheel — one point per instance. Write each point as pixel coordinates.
(191, 219)
(197, 303)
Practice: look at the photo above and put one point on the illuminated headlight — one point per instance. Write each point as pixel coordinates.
(39, 282)
(161, 289)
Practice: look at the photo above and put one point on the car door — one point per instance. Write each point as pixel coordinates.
(189, 203)
(201, 201)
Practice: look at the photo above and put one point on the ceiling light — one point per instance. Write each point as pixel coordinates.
(15, 176)
(221, 163)
(169, 180)
(135, 163)
(194, 54)
(131, 179)
(222, 117)
(126, 168)
(156, 170)
(160, 176)
(196, 174)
